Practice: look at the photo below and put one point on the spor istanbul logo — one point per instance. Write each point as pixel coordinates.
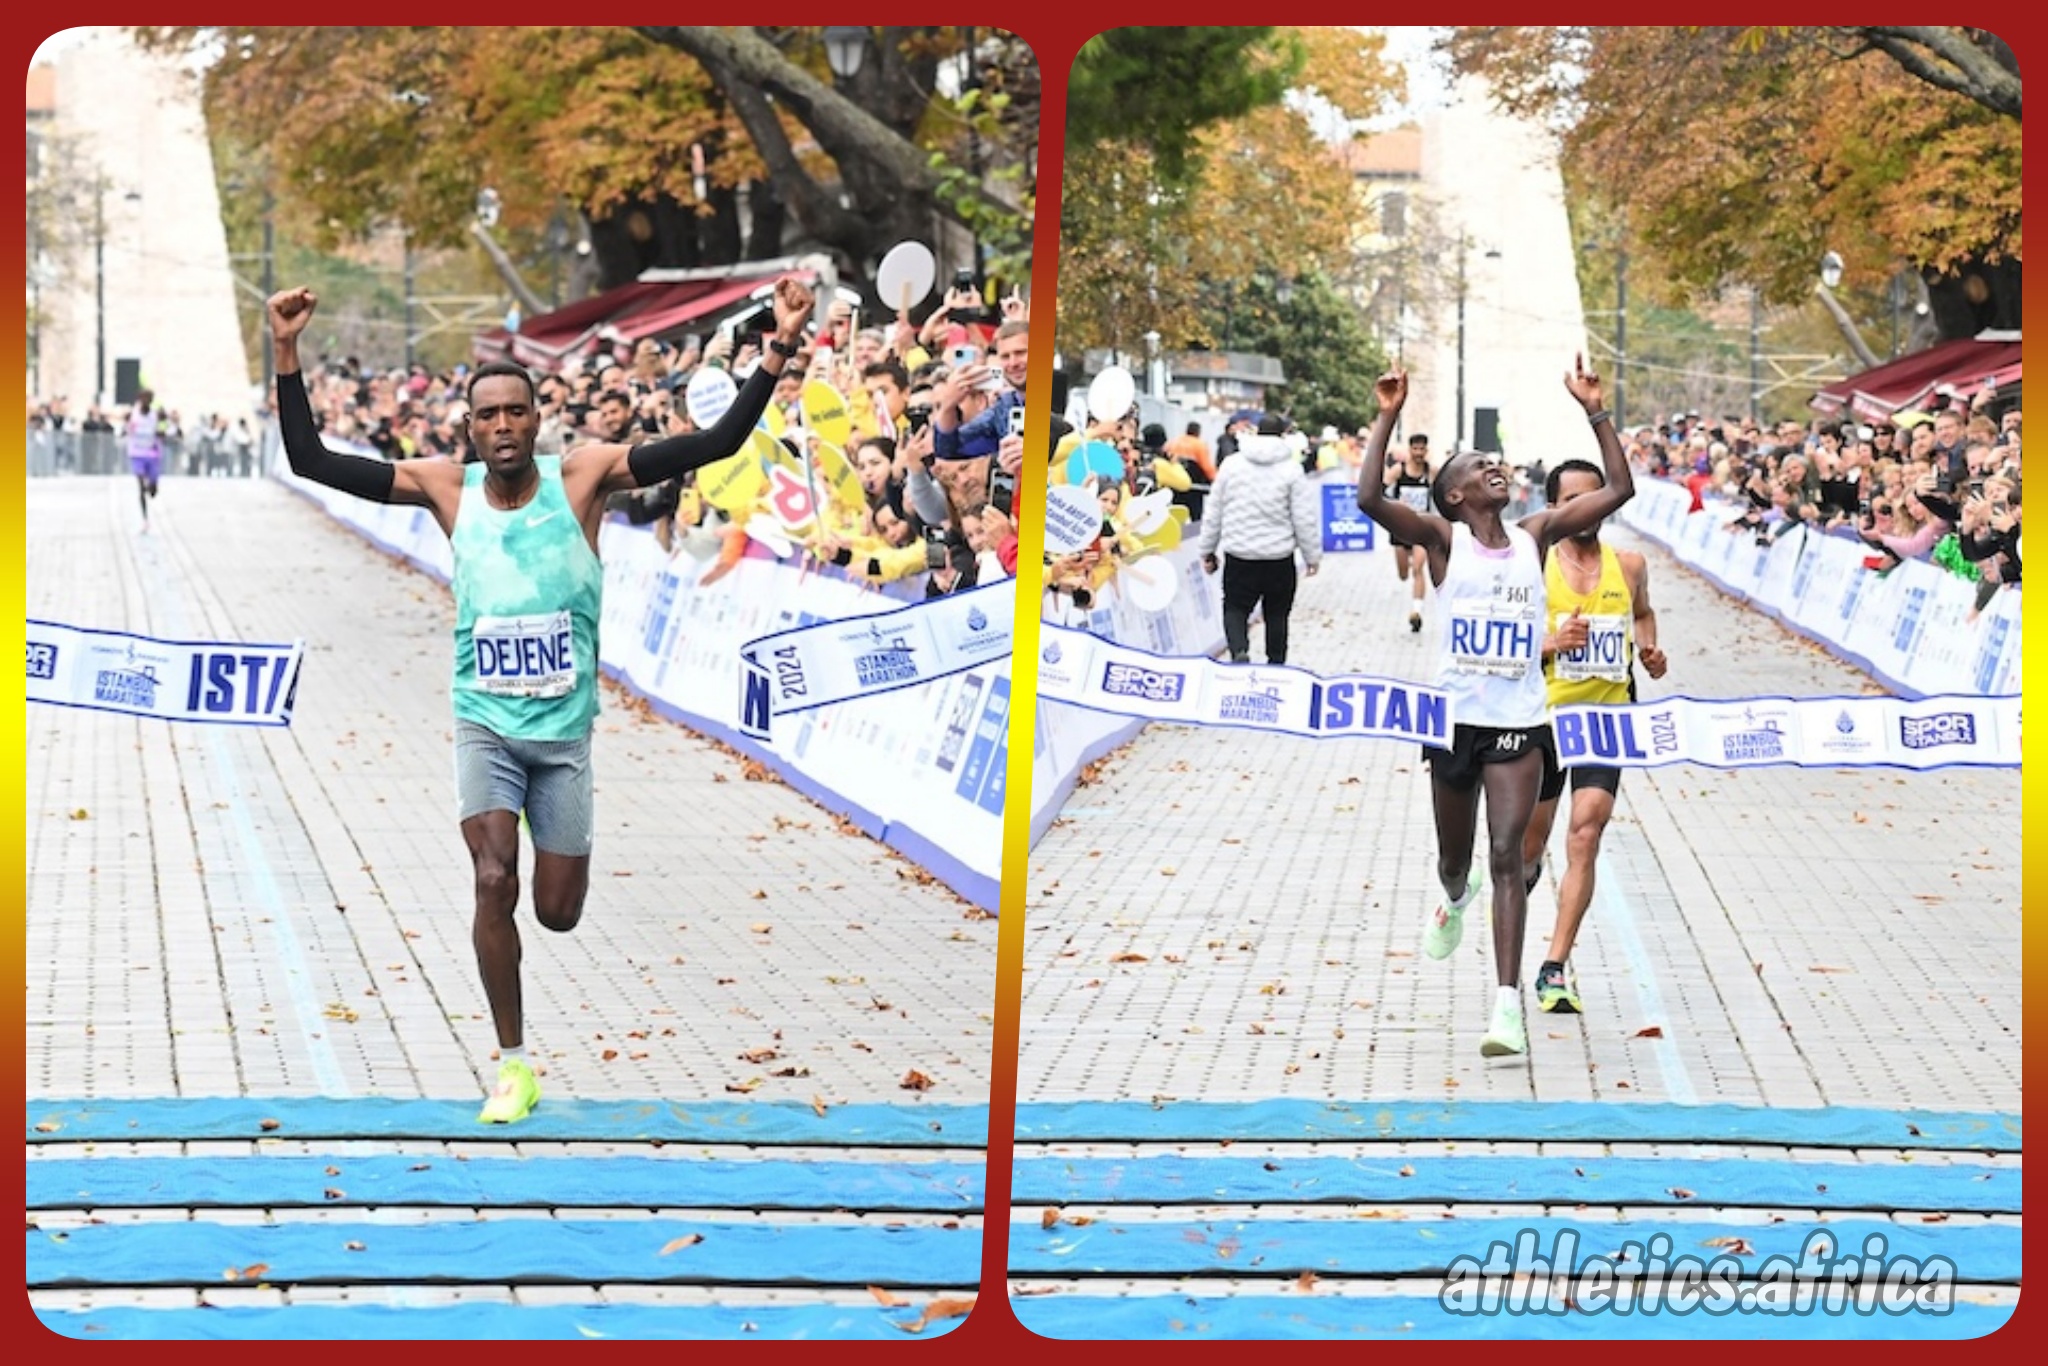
(1942, 728)
(1132, 680)
(1052, 654)
(977, 620)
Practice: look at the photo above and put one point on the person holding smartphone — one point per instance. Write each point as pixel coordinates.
(955, 438)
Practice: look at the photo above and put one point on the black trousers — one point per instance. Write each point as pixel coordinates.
(1246, 584)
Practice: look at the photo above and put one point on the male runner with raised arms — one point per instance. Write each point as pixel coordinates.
(1598, 623)
(1410, 485)
(528, 589)
(1489, 580)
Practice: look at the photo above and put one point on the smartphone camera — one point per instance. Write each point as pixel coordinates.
(934, 548)
(1017, 420)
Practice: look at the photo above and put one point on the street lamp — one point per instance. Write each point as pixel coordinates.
(1756, 350)
(1492, 254)
(846, 48)
(1831, 269)
(558, 242)
(99, 270)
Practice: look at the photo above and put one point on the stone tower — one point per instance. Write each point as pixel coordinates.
(170, 294)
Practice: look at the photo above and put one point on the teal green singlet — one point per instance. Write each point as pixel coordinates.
(528, 595)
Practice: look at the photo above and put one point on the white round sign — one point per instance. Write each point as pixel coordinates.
(1147, 514)
(1110, 394)
(708, 394)
(1073, 519)
(1152, 582)
(905, 276)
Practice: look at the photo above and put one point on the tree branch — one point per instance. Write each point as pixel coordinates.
(1848, 326)
(819, 213)
(1957, 64)
(836, 121)
(847, 132)
(530, 302)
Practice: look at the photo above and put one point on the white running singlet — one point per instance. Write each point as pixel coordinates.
(1491, 648)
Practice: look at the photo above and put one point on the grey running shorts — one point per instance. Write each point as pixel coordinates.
(548, 780)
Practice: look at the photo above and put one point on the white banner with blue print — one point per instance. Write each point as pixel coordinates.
(830, 662)
(217, 682)
(1101, 675)
(1808, 732)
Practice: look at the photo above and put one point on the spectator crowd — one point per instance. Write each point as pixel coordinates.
(919, 481)
(1939, 483)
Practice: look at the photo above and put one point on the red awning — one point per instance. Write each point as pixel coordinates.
(1908, 381)
(628, 313)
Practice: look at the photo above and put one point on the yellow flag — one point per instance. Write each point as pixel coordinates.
(735, 484)
(837, 480)
(825, 412)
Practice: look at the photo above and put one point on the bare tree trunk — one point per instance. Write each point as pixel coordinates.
(530, 303)
(1849, 333)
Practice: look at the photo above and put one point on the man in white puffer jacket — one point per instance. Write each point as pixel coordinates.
(1260, 511)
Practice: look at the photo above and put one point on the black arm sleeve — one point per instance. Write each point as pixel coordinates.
(672, 456)
(365, 478)
(1979, 546)
(1942, 507)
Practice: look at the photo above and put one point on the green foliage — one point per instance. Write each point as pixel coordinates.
(1157, 88)
(1329, 357)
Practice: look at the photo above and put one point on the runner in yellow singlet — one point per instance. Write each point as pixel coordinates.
(1599, 623)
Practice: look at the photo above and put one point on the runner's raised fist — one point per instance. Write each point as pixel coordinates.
(1391, 389)
(289, 310)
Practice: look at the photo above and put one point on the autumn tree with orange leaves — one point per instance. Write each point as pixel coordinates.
(1741, 155)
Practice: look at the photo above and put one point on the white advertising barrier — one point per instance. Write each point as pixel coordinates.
(1911, 628)
(1101, 675)
(1069, 738)
(923, 769)
(1806, 732)
(207, 682)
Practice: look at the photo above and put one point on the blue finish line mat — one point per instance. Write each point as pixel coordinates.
(1172, 1179)
(480, 1322)
(504, 1252)
(505, 1183)
(1980, 1253)
(1190, 1318)
(761, 1123)
(1305, 1121)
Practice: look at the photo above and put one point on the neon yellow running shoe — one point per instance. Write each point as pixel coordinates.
(1556, 993)
(515, 1097)
(1447, 922)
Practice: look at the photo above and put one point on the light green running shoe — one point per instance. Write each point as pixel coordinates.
(1507, 1037)
(1447, 923)
(518, 1092)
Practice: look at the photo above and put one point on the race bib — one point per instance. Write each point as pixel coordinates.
(1417, 498)
(532, 656)
(1498, 638)
(1603, 656)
